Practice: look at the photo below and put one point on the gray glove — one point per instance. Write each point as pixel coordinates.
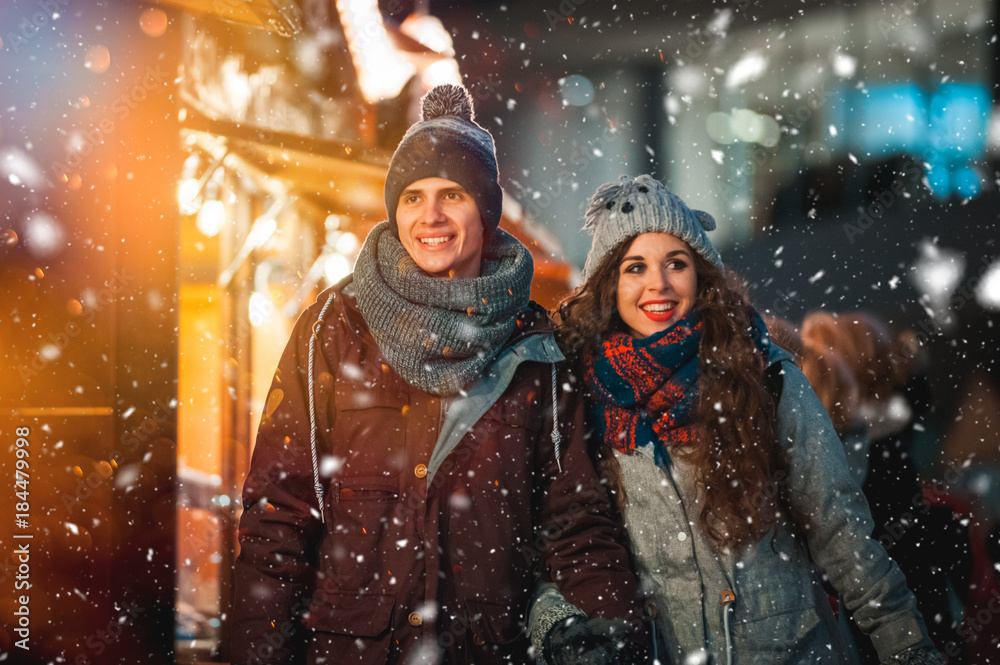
(580, 641)
(916, 656)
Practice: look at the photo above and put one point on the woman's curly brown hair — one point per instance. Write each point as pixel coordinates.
(738, 457)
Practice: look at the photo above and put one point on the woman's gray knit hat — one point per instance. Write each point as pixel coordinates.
(447, 143)
(632, 206)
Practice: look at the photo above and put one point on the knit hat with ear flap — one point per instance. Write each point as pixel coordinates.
(619, 211)
(447, 143)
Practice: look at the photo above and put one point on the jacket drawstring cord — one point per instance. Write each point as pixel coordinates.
(317, 487)
(727, 604)
(651, 613)
(556, 436)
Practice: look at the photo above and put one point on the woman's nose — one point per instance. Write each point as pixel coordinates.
(658, 281)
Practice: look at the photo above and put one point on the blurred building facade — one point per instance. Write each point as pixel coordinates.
(850, 153)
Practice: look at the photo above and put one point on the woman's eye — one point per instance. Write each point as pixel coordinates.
(635, 268)
(677, 265)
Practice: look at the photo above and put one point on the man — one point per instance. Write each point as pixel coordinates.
(411, 467)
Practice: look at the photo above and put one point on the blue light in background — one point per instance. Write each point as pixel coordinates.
(947, 129)
(894, 119)
(959, 116)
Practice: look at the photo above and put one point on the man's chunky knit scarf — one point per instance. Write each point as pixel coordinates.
(440, 334)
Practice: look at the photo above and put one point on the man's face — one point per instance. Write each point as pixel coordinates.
(440, 228)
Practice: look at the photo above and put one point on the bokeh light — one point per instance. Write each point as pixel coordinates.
(43, 234)
(187, 195)
(211, 218)
(576, 90)
(988, 292)
(153, 22)
(97, 59)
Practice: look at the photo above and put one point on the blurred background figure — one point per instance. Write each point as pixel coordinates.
(831, 377)
(875, 389)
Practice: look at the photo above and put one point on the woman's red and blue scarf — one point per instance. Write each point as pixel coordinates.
(645, 391)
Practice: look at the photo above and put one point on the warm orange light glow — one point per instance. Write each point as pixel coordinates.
(199, 412)
(98, 59)
(153, 22)
(429, 31)
(381, 70)
(439, 73)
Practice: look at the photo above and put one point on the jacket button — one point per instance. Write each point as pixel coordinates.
(420, 470)
(478, 640)
(415, 619)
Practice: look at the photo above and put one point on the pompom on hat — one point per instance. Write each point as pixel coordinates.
(632, 206)
(447, 143)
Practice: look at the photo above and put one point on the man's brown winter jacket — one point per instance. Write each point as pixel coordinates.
(411, 564)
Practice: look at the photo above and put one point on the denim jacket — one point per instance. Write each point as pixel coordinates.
(778, 611)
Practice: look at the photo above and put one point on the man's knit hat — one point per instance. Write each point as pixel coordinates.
(619, 211)
(447, 143)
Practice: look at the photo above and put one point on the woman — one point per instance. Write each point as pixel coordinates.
(728, 474)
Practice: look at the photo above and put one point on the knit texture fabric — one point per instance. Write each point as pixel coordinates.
(644, 391)
(447, 143)
(439, 334)
(630, 207)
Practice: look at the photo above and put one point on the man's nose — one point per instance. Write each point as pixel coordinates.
(433, 210)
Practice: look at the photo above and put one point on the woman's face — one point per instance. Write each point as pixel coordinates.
(657, 283)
